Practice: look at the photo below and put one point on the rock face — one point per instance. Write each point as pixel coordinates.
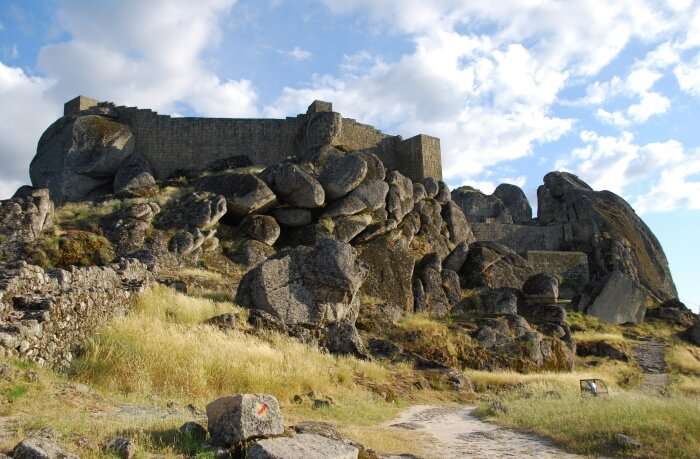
(542, 286)
(244, 193)
(390, 273)
(307, 285)
(620, 301)
(694, 333)
(235, 419)
(78, 157)
(24, 217)
(294, 186)
(134, 177)
(302, 446)
(490, 264)
(515, 202)
(603, 225)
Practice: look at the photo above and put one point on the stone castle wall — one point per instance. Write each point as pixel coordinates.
(521, 238)
(46, 315)
(191, 144)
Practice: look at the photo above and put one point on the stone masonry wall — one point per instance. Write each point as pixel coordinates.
(192, 144)
(572, 267)
(521, 238)
(47, 314)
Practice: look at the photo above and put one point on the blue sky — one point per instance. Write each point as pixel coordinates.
(514, 88)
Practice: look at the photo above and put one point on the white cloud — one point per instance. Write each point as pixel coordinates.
(145, 53)
(651, 103)
(688, 75)
(300, 54)
(616, 118)
(657, 176)
(24, 114)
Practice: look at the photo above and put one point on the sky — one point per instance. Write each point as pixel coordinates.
(608, 90)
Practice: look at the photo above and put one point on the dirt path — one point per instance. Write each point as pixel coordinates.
(650, 355)
(458, 433)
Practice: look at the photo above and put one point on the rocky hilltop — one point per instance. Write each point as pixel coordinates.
(332, 244)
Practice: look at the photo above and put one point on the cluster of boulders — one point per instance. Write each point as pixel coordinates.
(23, 218)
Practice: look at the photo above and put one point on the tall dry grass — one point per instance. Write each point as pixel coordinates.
(163, 348)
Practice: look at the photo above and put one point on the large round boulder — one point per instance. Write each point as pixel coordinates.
(490, 264)
(78, 157)
(294, 186)
(244, 193)
(342, 174)
(515, 201)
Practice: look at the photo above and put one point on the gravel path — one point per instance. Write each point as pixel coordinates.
(458, 433)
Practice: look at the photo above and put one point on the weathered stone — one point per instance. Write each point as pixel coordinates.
(390, 273)
(302, 446)
(693, 333)
(371, 195)
(515, 202)
(346, 228)
(251, 253)
(238, 418)
(542, 286)
(188, 242)
(375, 166)
(26, 215)
(40, 448)
(600, 349)
(342, 174)
(479, 207)
(292, 216)
(492, 301)
(399, 200)
(244, 193)
(419, 192)
(134, 177)
(626, 442)
(457, 257)
(540, 313)
(196, 210)
(460, 231)
(443, 196)
(430, 274)
(431, 187)
(294, 186)
(306, 285)
(604, 226)
(490, 264)
(127, 228)
(344, 339)
(77, 157)
(673, 311)
(122, 447)
(450, 284)
(263, 228)
(620, 301)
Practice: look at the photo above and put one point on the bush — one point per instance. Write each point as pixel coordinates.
(74, 248)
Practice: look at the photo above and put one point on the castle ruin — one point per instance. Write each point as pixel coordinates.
(189, 144)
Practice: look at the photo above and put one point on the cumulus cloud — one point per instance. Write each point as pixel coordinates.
(666, 170)
(300, 54)
(24, 113)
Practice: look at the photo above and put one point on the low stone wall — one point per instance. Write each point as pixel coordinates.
(521, 238)
(47, 314)
(572, 267)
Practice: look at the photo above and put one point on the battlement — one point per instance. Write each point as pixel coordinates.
(190, 144)
(77, 105)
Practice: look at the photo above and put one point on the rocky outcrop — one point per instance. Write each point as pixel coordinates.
(515, 202)
(294, 186)
(23, 218)
(244, 193)
(127, 228)
(307, 285)
(603, 225)
(78, 157)
(490, 264)
(47, 314)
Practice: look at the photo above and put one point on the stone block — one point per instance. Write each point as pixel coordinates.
(238, 418)
(302, 446)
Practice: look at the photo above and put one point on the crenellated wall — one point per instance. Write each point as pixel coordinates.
(191, 144)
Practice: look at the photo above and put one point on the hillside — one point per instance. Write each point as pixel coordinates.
(347, 287)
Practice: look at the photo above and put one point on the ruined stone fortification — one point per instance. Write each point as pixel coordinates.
(47, 314)
(188, 144)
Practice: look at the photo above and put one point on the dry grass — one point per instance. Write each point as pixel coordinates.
(594, 336)
(684, 359)
(666, 427)
(163, 349)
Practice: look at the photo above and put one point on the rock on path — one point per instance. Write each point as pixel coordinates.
(457, 433)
